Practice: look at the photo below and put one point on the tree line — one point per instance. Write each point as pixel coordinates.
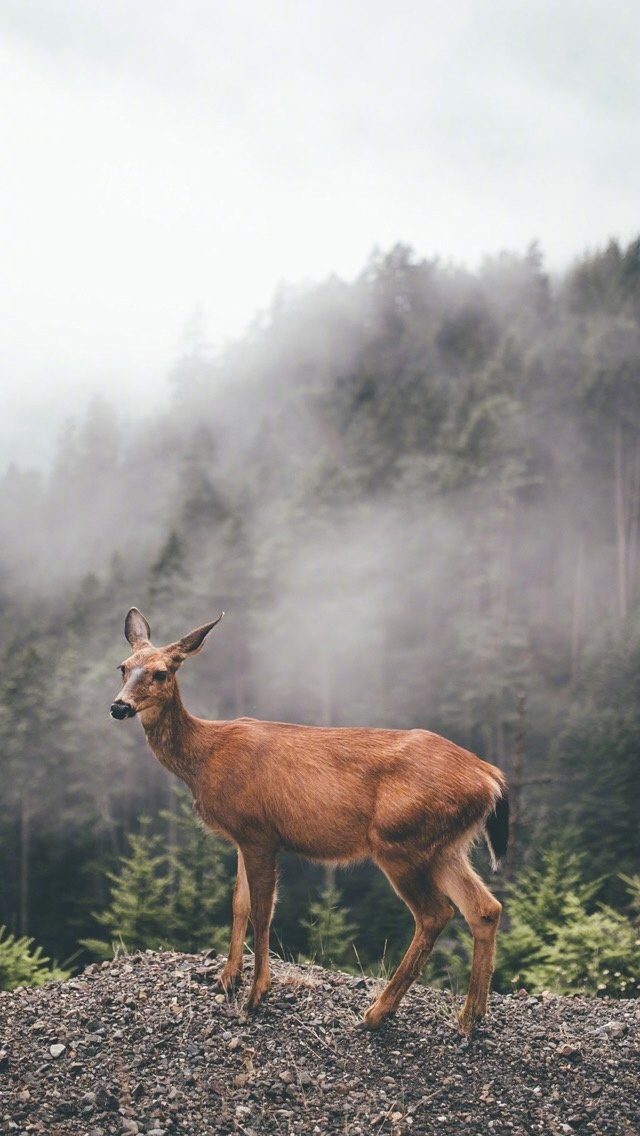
(417, 498)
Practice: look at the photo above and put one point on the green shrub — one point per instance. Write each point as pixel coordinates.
(558, 938)
(165, 897)
(23, 965)
(330, 934)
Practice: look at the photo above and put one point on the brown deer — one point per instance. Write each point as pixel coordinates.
(407, 799)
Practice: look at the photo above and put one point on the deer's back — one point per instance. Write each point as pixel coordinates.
(337, 793)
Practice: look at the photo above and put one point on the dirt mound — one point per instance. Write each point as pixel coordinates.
(145, 1045)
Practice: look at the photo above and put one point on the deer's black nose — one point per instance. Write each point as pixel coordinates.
(122, 710)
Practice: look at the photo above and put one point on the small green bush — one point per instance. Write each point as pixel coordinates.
(330, 934)
(555, 936)
(559, 938)
(23, 965)
(165, 897)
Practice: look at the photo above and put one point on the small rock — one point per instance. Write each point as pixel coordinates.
(611, 1029)
(106, 1100)
(57, 1050)
(571, 1052)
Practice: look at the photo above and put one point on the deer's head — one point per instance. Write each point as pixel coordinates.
(148, 675)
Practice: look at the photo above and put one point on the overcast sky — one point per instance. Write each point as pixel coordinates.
(156, 156)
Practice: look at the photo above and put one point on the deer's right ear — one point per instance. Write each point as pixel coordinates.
(136, 629)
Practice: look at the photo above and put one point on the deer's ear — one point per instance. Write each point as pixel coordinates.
(136, 629)
(193, 642)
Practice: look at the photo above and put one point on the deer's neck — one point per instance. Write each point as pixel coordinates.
(175, 737)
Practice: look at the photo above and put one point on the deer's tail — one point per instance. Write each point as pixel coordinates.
(497, 829)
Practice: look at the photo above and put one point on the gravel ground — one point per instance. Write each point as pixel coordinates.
(145, 1045)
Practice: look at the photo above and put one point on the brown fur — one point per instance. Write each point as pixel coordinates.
(409, 800)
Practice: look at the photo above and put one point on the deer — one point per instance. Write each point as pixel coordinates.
(408, 800)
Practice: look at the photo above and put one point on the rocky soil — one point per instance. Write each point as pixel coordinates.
(145, 1045)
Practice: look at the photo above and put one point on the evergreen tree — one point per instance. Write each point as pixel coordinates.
(560, 939)
(166, 897)
(331, 934)
(22, 964)
(138, 916)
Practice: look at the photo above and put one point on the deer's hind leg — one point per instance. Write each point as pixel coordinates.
(482, 912)
(431, 912)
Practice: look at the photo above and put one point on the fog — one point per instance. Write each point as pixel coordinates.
(157, 158)
(415, 495)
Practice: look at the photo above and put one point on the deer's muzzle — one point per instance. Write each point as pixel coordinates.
(122, 710)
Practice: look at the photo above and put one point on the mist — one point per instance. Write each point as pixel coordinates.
(371, 471)
(416, 496)
(156, 159)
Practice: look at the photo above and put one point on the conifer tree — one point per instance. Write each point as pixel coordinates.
(330, 931)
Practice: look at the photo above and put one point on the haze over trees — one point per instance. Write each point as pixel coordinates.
(417, 499)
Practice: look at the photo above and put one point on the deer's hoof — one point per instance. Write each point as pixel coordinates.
(226, 983)
(467, 1023)
(363, 1027)
(374, 1018)
(256, 997)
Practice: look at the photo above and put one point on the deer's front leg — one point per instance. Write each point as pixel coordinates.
(241, 912)
(260, 866)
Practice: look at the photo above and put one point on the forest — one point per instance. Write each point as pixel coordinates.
(416, 496)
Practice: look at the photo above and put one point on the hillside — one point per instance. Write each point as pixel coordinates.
(144, 1045)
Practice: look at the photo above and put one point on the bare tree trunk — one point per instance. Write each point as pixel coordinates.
(621, 527)
(516, 782)
(326, 688)
(577, 610)
(172, 833)
(238, 678)
(25, 824)
(326, 718)
(633, 520)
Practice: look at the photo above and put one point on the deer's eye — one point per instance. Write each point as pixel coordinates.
(159, 676)
(121, 669)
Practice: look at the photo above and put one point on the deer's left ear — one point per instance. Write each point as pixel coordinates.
(193, 642)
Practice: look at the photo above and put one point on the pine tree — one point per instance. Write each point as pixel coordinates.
(166, 897)
(330, 932)
(138, 915)
(560, 939)
(200, 886)
(22, 964)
